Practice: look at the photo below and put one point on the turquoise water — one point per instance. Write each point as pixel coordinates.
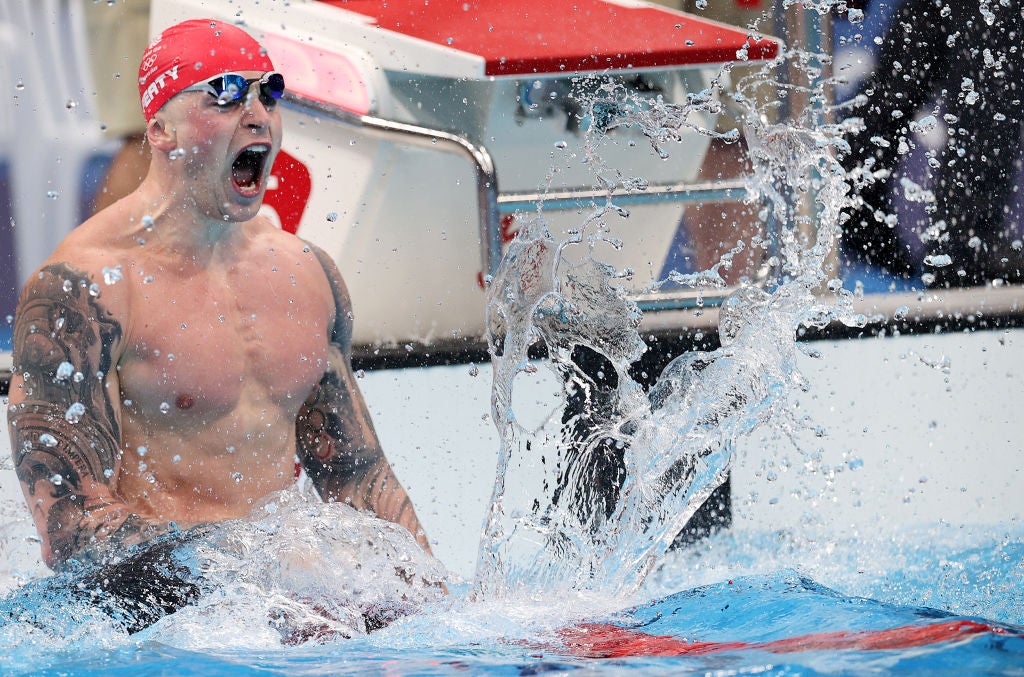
(917, 581)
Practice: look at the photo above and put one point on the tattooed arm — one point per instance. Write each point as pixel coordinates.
(64, 417)
(337, 444)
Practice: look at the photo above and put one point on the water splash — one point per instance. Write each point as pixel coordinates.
(295, 570)
(593, 500)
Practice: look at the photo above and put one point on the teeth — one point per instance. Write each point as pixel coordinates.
(259, 148)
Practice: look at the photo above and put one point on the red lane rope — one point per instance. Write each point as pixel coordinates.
(600, 640)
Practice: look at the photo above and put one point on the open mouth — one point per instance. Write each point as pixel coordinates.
(247, 169)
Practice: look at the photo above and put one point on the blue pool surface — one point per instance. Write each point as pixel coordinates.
(965, 581)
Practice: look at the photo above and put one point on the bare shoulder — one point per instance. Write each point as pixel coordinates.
(100, 242)
(317, 265)
(342, 301)
(72, 304)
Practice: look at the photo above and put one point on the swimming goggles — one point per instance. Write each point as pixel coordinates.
(232, 88)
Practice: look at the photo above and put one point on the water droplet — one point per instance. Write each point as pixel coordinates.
(52, 194)
(176, 459)
(237, 476)
(74, 413)
(19, 85)
(64, 371)
(112, 275)
(57, 479)
(332, 217)
(176, 153)
(141, 451)
(78, 377)
(142, 466)
(67, 286)
(48, 439)
(474, 371)
(147, 222)
(94, 290)
(900, 313)
(938, 260)
(360, 374)
(164, 407)
(71, 104)
(108, 473)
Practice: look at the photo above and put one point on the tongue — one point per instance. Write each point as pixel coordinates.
(243, 173)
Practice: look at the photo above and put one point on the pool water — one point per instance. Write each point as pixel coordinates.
(946, 601)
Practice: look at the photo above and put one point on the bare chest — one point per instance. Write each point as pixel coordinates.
(201, 347)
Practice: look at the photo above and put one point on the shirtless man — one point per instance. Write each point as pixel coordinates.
(177, 353)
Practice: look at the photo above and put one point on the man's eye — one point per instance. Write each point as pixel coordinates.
(225, 104)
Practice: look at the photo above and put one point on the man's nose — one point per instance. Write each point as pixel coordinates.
(257, 115)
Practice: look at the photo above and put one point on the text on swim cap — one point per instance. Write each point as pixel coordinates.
(158, 84)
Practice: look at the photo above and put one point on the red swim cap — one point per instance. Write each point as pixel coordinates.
(191, 52)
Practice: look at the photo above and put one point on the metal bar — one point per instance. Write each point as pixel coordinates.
(492, 204)
(486, 178)
(573, 198)
(685, 299)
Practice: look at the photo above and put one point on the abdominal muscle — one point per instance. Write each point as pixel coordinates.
(214, 473)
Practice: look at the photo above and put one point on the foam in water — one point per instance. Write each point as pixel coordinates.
(296, 569)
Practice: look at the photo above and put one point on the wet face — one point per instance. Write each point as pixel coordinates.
(225, 151)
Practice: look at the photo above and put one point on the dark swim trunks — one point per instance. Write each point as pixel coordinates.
(149, 582)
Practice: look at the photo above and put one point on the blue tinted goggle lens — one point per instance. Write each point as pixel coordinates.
(232, 87)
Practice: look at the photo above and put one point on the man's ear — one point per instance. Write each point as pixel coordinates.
(160, 134)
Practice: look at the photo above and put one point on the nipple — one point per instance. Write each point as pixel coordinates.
(184, 401)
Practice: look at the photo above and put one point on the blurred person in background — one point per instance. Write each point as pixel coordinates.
(953, 69)
(116, 35)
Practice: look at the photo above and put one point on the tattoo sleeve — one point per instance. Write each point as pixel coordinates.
(337, 444)
(64, 424)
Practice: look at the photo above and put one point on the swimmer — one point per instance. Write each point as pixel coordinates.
(177, 354)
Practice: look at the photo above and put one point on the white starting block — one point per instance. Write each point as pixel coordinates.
(414, 130)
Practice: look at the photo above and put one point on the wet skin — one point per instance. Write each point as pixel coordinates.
(219, 357)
